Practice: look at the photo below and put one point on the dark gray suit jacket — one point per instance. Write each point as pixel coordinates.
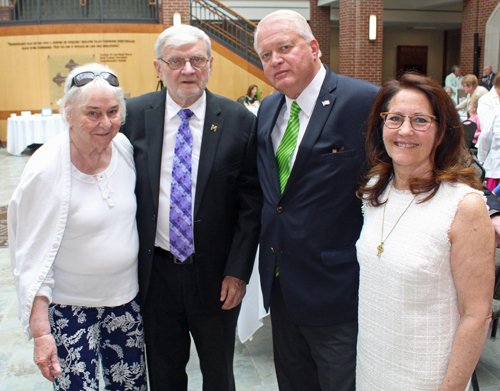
(228, 196)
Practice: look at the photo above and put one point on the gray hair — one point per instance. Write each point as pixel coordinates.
(454, 68)
(298, 22)
(177, 36)
(81, 95)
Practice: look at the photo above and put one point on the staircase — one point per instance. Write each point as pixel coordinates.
(226, 27)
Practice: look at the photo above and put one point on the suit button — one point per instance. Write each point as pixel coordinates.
(154, 217)
(272, 250)
(279, 209)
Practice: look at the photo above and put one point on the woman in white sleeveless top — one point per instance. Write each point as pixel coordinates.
(426, 251)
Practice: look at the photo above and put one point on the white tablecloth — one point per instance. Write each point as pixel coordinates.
(252, 307)
(23, 131)
(253, 109)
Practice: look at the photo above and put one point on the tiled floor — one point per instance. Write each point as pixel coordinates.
(253, 365)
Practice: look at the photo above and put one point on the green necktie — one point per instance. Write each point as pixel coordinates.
(285, 150)
(287, 145)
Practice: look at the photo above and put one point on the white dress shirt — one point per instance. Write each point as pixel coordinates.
(171, 127)
(306, 101)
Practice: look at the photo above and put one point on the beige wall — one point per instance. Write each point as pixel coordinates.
(433, 39)
(28, 58)
(28, 63)
(232, 75)
(30, 52)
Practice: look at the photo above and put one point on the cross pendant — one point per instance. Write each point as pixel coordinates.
(380, 249)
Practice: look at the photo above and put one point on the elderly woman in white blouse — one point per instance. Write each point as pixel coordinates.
(74, 243)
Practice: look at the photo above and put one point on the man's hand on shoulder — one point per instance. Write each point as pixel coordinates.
(232, 292)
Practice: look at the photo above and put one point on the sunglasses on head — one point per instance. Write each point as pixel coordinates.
(86, 77)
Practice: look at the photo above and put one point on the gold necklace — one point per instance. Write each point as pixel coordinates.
(380, 247)
(85, 160)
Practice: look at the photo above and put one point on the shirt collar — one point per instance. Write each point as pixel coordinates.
(197, 107)
(307, 98)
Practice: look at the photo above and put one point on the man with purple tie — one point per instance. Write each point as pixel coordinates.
(198, 213)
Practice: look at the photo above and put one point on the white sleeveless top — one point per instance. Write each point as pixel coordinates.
(408, 306)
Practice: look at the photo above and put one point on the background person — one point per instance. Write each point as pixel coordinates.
(488, 152)
(454, 81)
(251, 102)
(74, 243)
(488, 145)
(311, 150)
(199, 205)
(251, 96)
(487, 78)
(426, 251)
(449, 91)
(469, 84)
(474, 118)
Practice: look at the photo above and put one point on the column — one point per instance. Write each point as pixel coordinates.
(170, 7)
(319, 20)
(359, 57)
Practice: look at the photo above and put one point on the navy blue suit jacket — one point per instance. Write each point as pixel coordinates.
(489, 83)
(312, 228)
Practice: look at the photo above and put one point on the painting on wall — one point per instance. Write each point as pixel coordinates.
(59, 66)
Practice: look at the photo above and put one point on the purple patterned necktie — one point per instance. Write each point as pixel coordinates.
(181, 229)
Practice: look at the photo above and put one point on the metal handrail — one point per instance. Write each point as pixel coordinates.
(234, 13)
(29, 12)
(226, 27)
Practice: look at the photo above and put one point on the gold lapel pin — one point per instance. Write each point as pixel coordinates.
(214, 128)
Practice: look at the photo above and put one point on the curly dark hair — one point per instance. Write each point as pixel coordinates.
(449, 154)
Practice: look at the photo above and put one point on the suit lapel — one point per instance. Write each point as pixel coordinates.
(316, 124)
(154, 124)
(212, 130)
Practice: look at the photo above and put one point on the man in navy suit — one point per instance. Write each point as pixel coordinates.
(312, 220)
(216, 189)
(487, 79)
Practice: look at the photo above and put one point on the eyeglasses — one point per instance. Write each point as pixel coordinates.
(179, 62)
(85, 78)
(420, 122)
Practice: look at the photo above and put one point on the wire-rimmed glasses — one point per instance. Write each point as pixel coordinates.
(176, 63)
(419, 122)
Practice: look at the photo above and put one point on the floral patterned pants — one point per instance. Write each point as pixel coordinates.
(89, 336)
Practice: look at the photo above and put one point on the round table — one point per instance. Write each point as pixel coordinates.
(22, 131)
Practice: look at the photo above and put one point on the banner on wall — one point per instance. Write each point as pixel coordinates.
(59, 66)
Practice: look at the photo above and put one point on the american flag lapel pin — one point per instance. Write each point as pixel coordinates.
(325, 103)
